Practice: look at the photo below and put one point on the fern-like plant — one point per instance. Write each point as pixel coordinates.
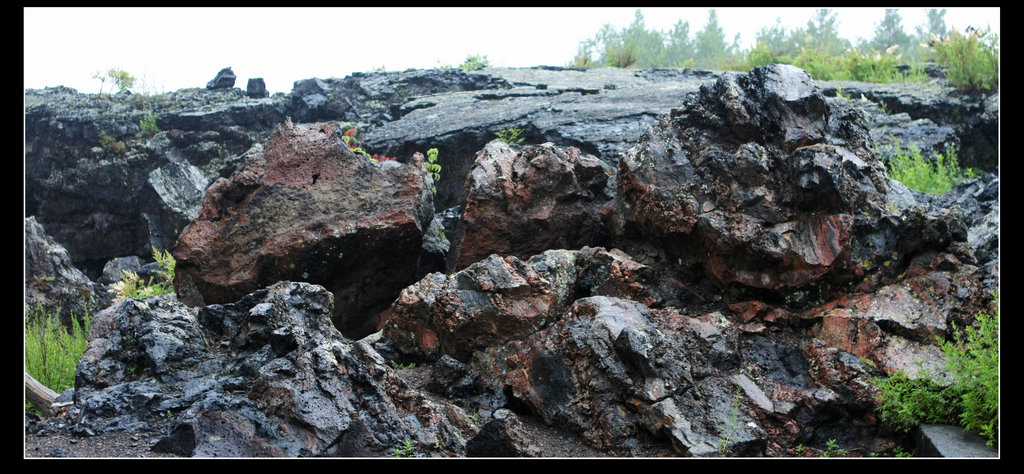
(433, 167)
(132, 286)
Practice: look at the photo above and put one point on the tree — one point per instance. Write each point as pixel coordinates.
(680, 48)
(711, 49)
(777, 41)
(822, 34)
(890, 33)
(936, 25)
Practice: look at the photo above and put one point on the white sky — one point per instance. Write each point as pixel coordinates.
(174, 48)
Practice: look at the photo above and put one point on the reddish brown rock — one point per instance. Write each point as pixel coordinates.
(305, 208)
(501, 299)
(524, 202)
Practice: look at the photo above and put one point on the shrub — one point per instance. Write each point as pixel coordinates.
(121, 79)
(131, 286)
(622, 56)
(148, 125)
(512, 136)
(971, 59)
(762, 55)
(51, 351)
(112, 144)
(433, 167)
(938, 177)
(972, 356)
(474, 62)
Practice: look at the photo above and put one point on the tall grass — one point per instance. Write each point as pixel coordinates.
(51, 351)
(907, 166)
(971, 59)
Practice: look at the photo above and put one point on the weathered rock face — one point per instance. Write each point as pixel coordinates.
(306, 208)
(104, 189)
(268, 375)
(500, 299)
(757, 181)
(524, 202)
(53, 283)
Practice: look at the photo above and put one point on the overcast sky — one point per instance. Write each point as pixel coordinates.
(174, 48)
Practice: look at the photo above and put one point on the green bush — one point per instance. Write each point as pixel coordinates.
(622, 56)
(474, 62)
(972, 60)
(51, 351)
(148, 125)
(512, 136)
(112, 144)
(972, 357)
(938, 177)
(131, 286)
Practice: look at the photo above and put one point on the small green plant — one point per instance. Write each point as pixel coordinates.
(397, 366)
(839, 93)
(832, 450)
(475, 62)
(972, 356)
(900, 453)
(132, 286)
(623, 56)
(734, 420)
(112, 144)
(512, 135)
(433, 167)
(406, 450)
(938, 177)
(148, 125)
(799, 449)
(971, 59)
(121, 79)
(51, 351)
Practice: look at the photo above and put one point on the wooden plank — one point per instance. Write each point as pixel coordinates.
(40, 396)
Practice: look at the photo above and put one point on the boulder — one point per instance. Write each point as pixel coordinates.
(256, 88)
(53, 285)
(306, 208)
(522, 202)
(225, 79)
(268, 375)
(502, 436)
(501, 299)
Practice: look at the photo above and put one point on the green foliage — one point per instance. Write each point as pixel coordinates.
(734, 420)
(51, 351)
(112, 144)
(474, 62)
(832, 450)
(406, 450)
(972, 356)
(512, 136)
(621, 56)
(148, 125)
(907, 402)
(971, 59)
(938, 177)
(397, 366)
(131, 286)
(121, 79)
(433, 166)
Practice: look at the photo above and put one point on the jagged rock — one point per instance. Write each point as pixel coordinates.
(306, 208)
(53, 283)
(523, 202)
(502, 437)
(225, 79)
(500, 299)
(268, 375)
(256, 88)
(974, 117)
(114, 270)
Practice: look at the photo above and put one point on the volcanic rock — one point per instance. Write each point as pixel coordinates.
(225, 79)
(268, 375)
(306, 208)
(523, 202)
